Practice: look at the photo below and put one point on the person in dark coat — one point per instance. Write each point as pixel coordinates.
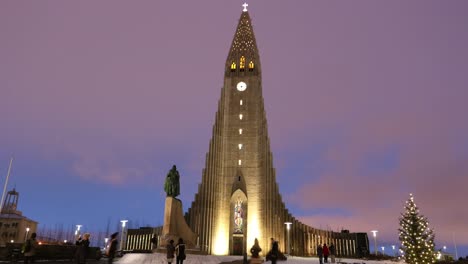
(332, 253)
(112, 248)
(180, 251)
(170, 250)
(83, 248)
(274, 251)
(320, 253)
(326, 252)
(29, 255)
(154, 242)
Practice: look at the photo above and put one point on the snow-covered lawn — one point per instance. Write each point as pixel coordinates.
(159, 258)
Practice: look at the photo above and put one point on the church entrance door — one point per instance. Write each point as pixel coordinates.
(237, 245)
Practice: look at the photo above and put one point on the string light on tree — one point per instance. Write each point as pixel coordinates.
(417, 239)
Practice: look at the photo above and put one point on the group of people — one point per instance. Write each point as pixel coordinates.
(178, 251)
(30, 247)
(324, 252)
(82, 251)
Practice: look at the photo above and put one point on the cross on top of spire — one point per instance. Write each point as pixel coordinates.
(245, 5)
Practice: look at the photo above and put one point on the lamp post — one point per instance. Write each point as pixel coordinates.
(105, 242)
(288, 227)
(383, 251)
(122, 246)
(77, 231)
(374, 232)
(393, 248)
(26, 235)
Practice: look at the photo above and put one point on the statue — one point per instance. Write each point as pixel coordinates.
(255, 249)
(172, 185)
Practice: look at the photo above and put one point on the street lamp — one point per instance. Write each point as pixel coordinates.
(26, 235)
(375, 240)
(122, 237)
(288, 227)
(77, 231)
(383, 251)
(393, 248)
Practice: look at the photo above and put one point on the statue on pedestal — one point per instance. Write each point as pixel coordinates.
(255, 250)
(175, 227)
(172, 184)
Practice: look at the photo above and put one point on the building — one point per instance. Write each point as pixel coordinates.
(140, 239)
(238, 199)
(14, 227)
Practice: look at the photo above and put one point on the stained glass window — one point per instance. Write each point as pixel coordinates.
(238, 216)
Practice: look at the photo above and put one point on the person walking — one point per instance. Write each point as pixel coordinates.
(326, 252)
(82, 249)
(154, 243)
(274, 251)
(332, 253)
(112, 248)
(320, 253)
(170, 250)
(30, 249)
(180, 251)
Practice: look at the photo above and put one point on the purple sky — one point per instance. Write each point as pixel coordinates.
(365, 100)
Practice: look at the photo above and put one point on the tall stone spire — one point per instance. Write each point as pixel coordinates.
(243, 55)
(238, 199)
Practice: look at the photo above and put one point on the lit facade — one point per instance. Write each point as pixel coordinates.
(238, 199)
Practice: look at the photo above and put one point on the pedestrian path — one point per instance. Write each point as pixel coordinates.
(160, 258)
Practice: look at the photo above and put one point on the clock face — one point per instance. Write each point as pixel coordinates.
(241, 86)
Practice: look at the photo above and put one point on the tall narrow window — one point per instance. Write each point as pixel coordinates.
(233, 66)
(251, 65)
(238, 216)
(240, 116)
(240, 131)
(241, 102)
(240, 162)
(240, 146)
(242, 63)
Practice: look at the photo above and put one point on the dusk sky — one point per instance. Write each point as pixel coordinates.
(366, 102)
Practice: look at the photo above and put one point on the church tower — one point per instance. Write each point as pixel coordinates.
(238, 199)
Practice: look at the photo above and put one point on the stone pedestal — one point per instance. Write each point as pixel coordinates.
(256, 260)
(175, 226)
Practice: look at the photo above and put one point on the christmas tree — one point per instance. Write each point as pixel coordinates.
(417, 239)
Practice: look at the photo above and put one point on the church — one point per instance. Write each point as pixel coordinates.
(238, 199)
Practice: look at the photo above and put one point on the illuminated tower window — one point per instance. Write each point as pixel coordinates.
(240, 162)
(251, 65)
(240, 131)
(240, 146)
(242, 63)
(240, 116)
(233, 66)
(240, 102)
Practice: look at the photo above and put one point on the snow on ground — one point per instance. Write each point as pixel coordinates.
(160, 258)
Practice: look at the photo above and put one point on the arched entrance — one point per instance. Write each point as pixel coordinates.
(238, 226)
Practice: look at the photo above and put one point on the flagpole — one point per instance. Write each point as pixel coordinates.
(455, 244)
(6, 183)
